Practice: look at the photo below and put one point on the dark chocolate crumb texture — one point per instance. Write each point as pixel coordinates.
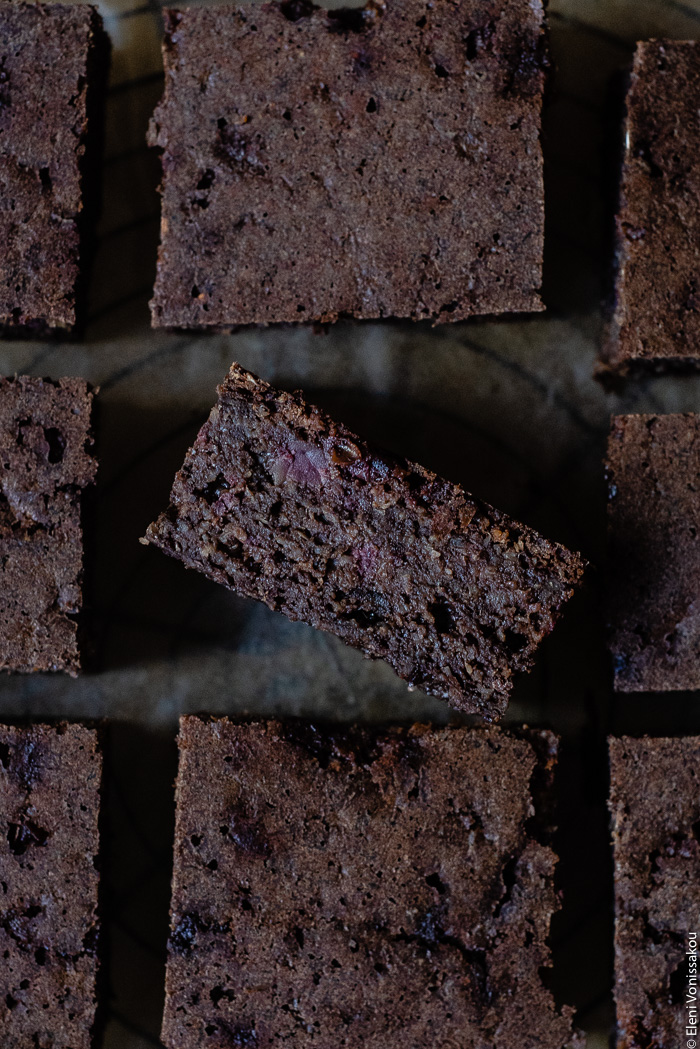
(47, 69)
(45, 464)
(279, 503)
(655, 319)
(372, 162)
(50, 779)
(655, 807)
(653, 473)
(369, 888)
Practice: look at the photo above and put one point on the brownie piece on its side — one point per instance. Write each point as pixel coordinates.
(655, 807)
(50, 778)
(655, 315)
(280, 503)
(360, 887)
(52, 56)
(45, 463)
(653, 473)
(372, 162)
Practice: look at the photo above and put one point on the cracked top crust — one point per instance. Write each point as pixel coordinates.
(655, 808)
(49, 805)
(374, 163)
(45, 463)
(387, 886)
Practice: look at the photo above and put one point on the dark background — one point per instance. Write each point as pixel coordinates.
(509, 408)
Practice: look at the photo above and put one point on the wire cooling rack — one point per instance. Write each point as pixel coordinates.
(508, 408)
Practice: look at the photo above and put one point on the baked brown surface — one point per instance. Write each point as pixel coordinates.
(655, 807)
(656, 312)
(367, 163)
(45, 465)
(49, 806)
(280, 503)
(51, 57)
(653, 473)
(361, 887)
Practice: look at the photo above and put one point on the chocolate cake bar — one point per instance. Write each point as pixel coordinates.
(53, 64)
(280, 503)
(50, 780)
(653, 472)
(372, 162)
(655, 806)
(45, 464)
(655, 318)
(360, 887)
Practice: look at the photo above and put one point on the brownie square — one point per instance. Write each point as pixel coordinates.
(360, 887)
(280, 503)
(52, 56)
(377, 162)
(45, 464)
(655, 318)
(655, 807)
(653, 473)
(50, 779)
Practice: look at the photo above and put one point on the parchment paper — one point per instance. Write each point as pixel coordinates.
(509, 408)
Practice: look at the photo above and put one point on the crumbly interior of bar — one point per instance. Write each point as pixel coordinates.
(281, 504)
